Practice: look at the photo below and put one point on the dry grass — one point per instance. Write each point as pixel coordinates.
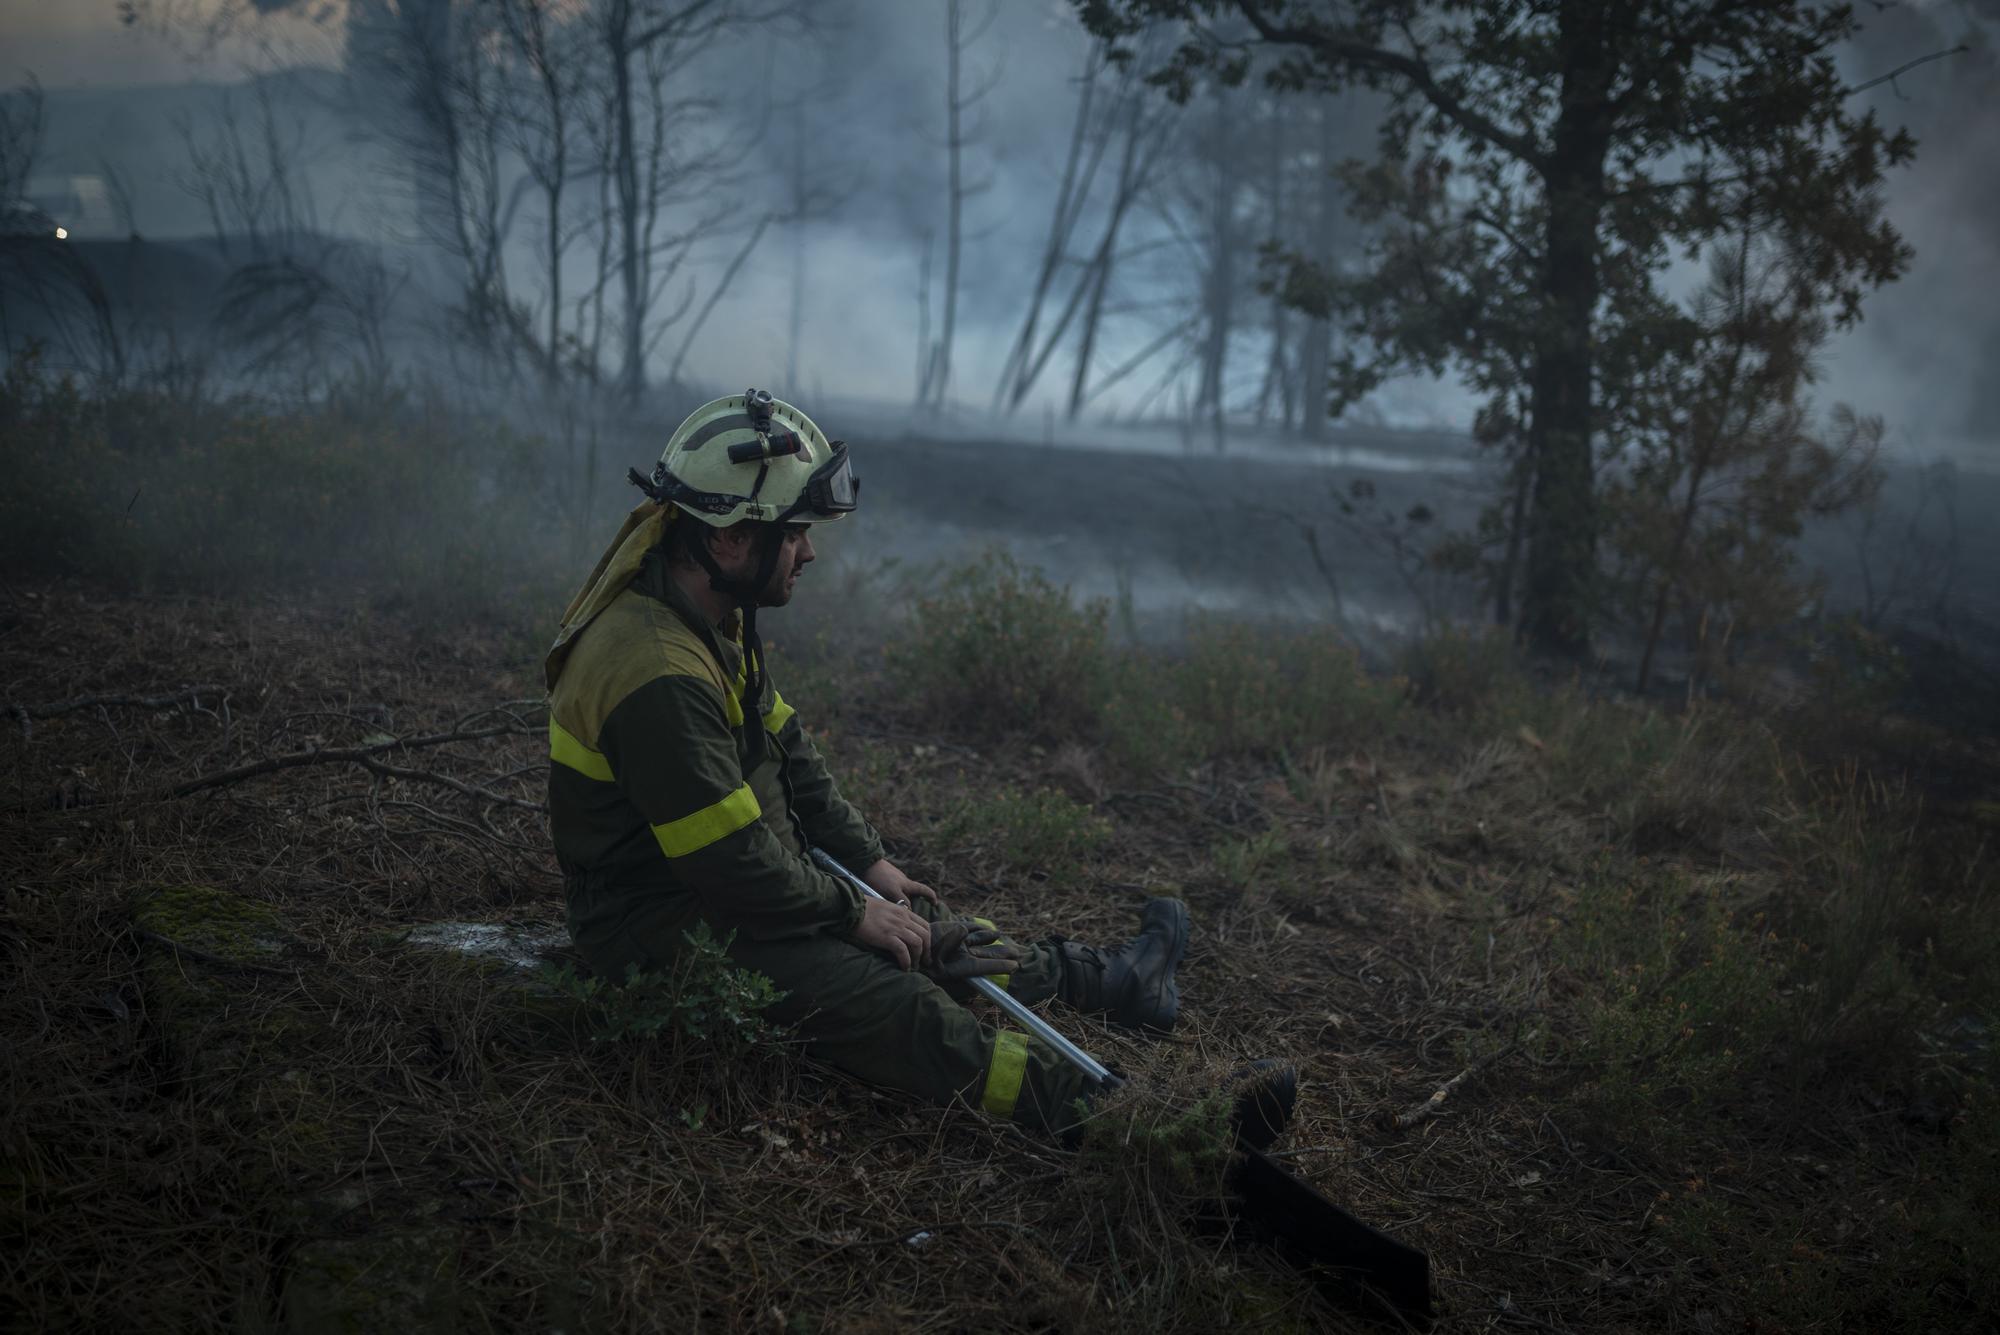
(222, 1134)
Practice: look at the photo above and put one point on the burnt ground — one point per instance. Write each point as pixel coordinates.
(237, 1093)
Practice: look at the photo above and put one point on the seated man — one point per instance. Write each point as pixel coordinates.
(683, 789)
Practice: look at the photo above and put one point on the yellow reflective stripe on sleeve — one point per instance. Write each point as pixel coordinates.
(1003, 1074)
(1000, 980)
(780, 711)
(565, 749)
(732, 706)
(689, 834)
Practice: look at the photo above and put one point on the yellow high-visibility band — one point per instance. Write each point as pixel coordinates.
(1000, 980)
(1003, 1074)
(780, 711)
(678, 838)
(565, 749)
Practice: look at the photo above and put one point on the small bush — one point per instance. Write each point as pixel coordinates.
(1464, 674)
(1246, 690)
(1000, 651)
(1147, 1151)
(1038, 831)
(1242, 863)
(704, 997)
(1680, 1000)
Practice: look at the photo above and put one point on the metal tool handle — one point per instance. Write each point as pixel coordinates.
(993, 992)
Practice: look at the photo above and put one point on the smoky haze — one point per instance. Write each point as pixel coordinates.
(824, 149)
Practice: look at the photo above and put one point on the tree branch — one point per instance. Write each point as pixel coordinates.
(1362, 55)
(1904, 68)
(356, 755)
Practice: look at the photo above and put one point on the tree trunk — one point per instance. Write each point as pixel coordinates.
(954, 24)
(1562, 530)
(1510, 564)
(799, 205)
(625, 172)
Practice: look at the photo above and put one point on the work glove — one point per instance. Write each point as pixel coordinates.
(961, 949)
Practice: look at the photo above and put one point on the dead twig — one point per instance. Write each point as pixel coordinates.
(340, 755)
(1430, 1107)
(188, 695)
(456, 785)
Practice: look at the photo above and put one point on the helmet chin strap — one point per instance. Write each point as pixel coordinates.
(769, 539)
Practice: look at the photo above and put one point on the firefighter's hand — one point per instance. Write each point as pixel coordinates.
(895, 931)
(961, 949)
(886, 879)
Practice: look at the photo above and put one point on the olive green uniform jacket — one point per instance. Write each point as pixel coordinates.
(673, 800)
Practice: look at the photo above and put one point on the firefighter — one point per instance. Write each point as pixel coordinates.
(683, 790)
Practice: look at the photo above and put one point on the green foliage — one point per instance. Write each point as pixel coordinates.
(999, 651)
(1521, 239)
(1041, 830)
(1239, 689)
(703, 997)
(1855, 670)
(1680, 998)
(1703, 508)
(1149, 1150)
(145, 488)
(1243, 862)
(1464, 673)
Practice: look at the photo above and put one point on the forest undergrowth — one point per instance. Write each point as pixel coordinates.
(1709, 990)
(1713, 1012)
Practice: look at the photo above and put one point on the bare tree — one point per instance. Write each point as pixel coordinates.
(21, 121)
(48, 293)
(935, 381)
(248, 178)
(1140, 127)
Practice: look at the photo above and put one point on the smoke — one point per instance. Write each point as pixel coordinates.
(872, 80)
(1923, 355)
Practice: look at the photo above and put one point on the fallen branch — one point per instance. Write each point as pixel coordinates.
(456, 785)
(1430, 1107)
(339, 755)
(27, 713)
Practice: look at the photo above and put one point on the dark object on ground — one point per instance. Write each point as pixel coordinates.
(1355, 1266)
(1264, 1106)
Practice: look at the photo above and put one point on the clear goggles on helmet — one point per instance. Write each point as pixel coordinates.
(831, 491)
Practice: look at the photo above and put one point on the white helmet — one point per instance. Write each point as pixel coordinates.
(751, 456)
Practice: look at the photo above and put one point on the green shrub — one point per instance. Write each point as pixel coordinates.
(1037, 831)
(1464, 673)
(1679, 1001)
(704, 997)
(1243, 862)
(1146, 1151)
(144, 489)
(1248, 690)
(998, 650)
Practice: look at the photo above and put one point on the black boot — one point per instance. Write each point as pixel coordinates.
(1133, 983)
(1266, 1091)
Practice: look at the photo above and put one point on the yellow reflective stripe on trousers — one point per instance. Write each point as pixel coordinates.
(1000, 980)
(1003, 1074)
(690, 834)
(780, 711)
(565, 749)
